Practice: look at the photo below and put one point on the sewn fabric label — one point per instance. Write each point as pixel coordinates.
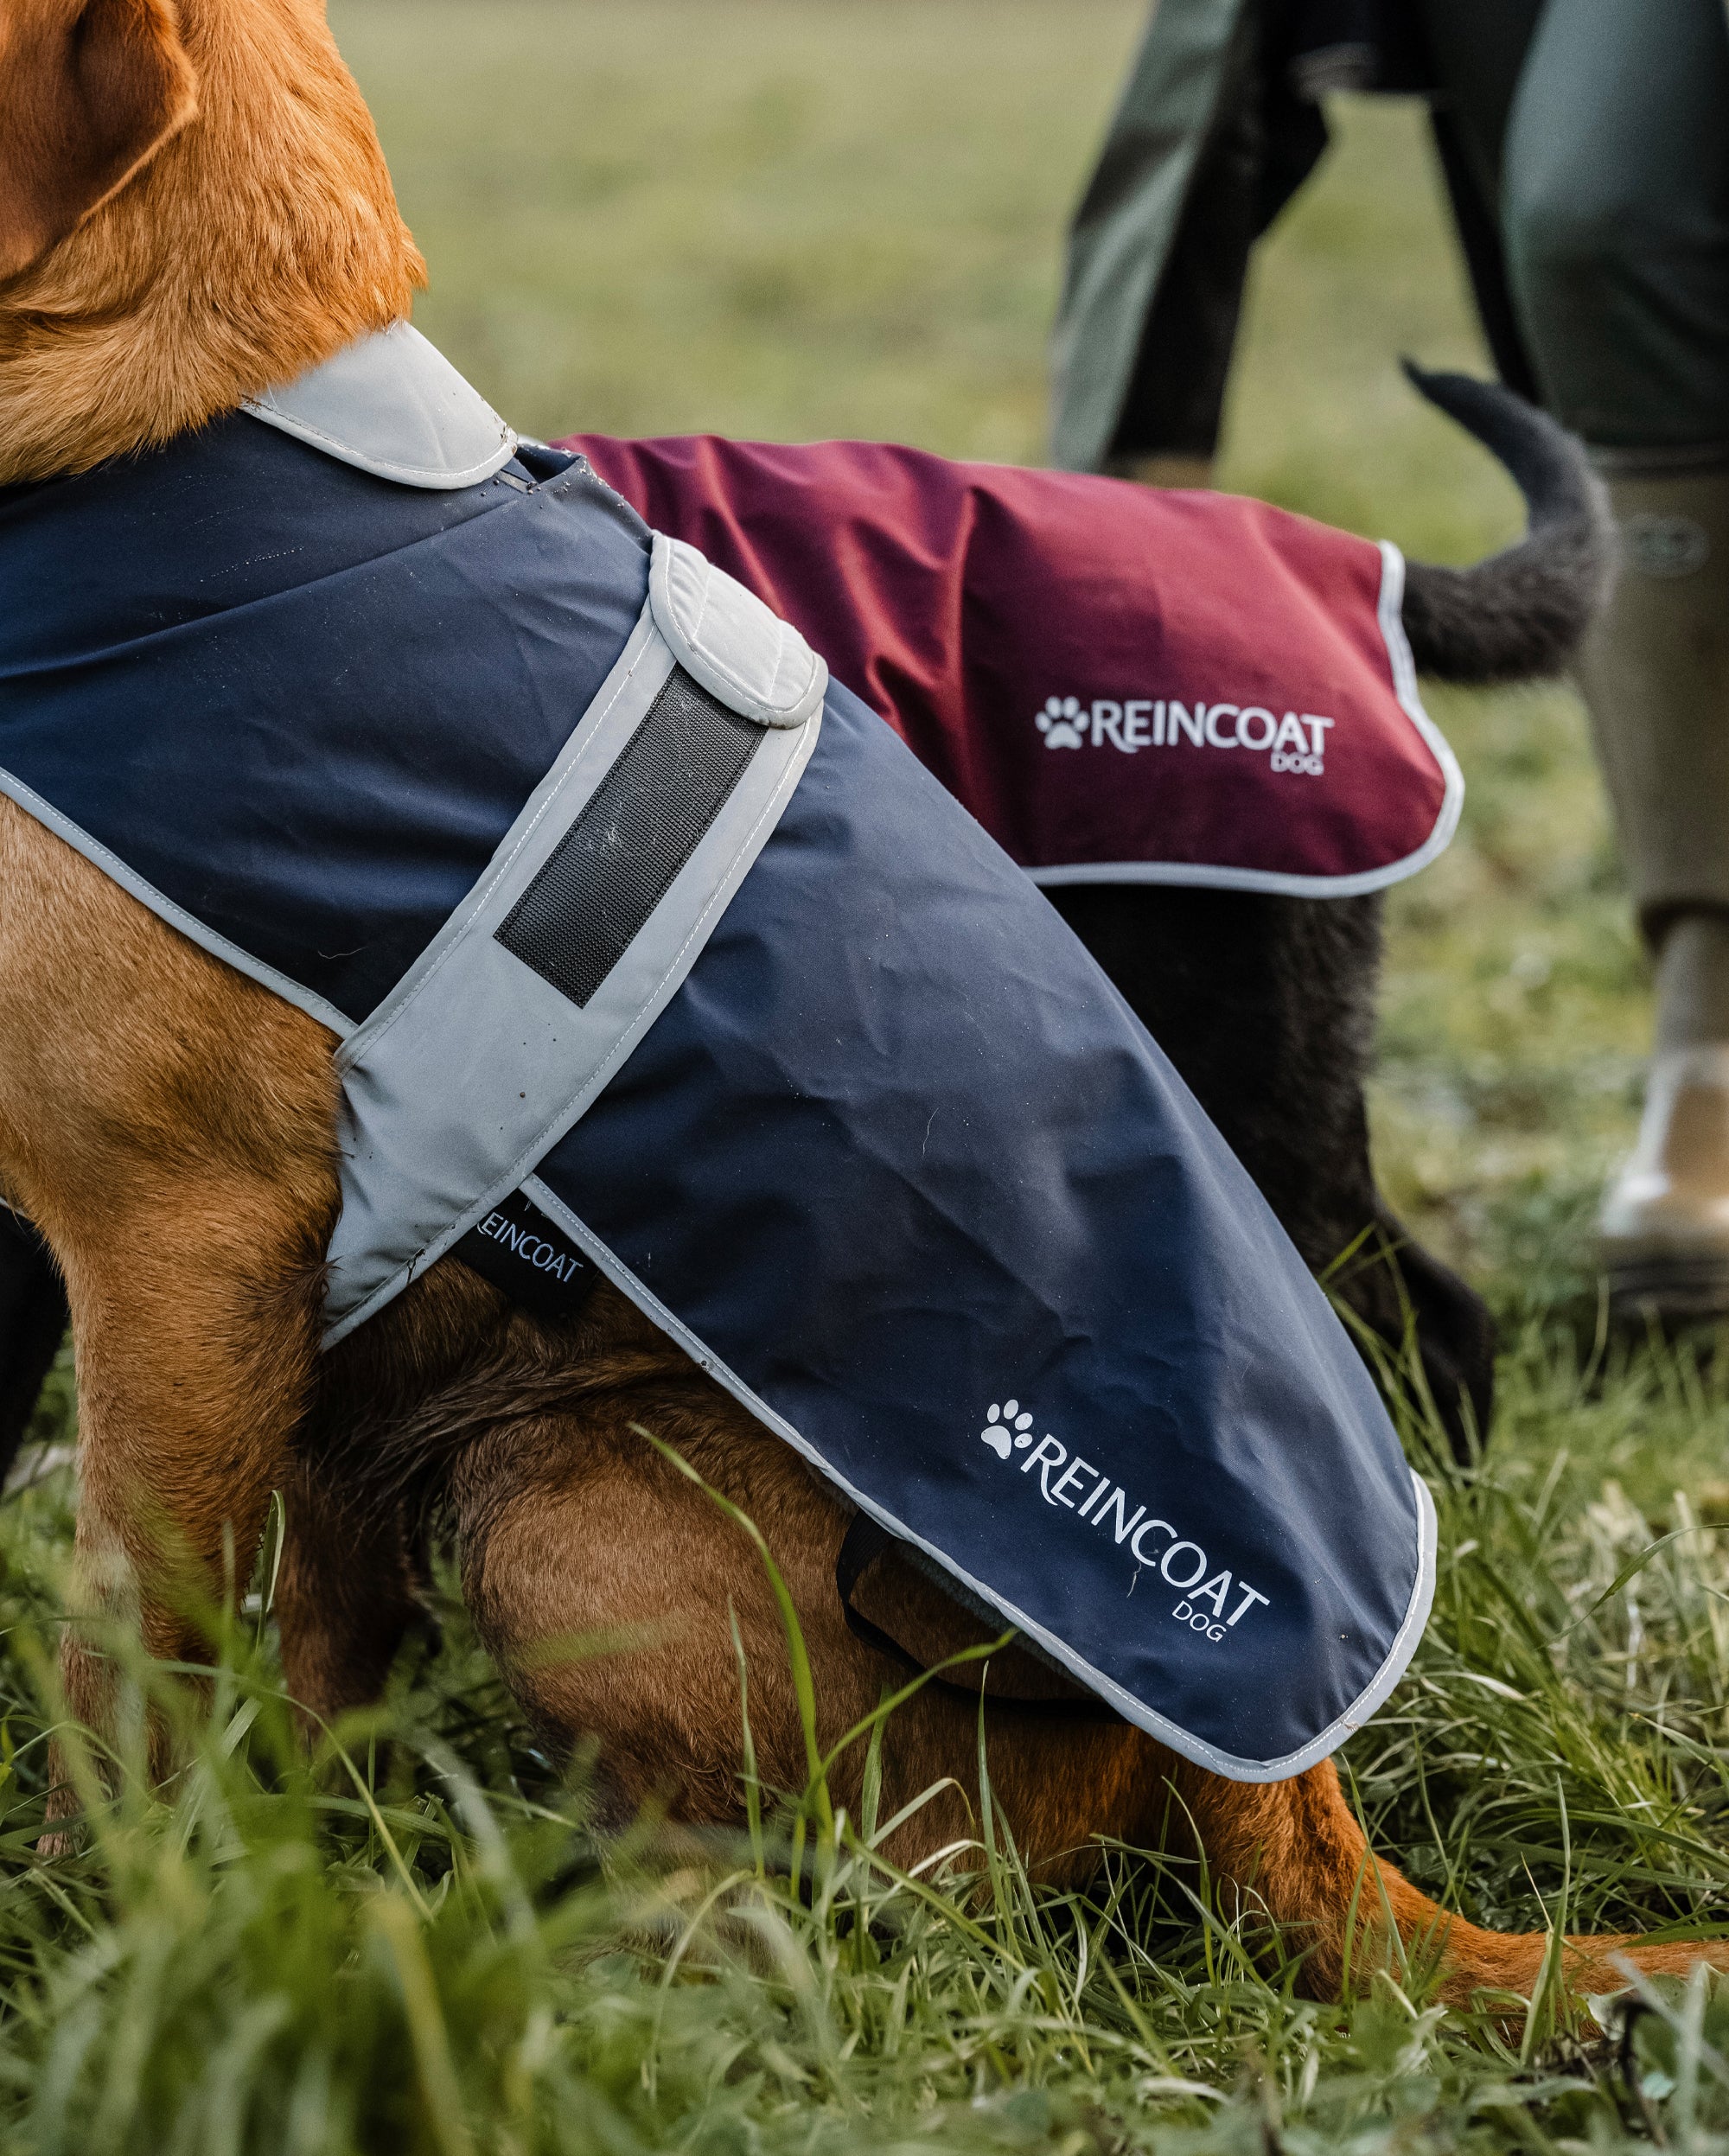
(526, 1257)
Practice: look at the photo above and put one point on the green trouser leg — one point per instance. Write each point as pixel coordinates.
(1655, 675)
(1615, 212)
(1615, 204)
(1598, 129)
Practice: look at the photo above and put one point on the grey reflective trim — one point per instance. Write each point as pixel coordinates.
(1343, 1726)
(475, 1067)
(394, 406)
(728, 641)
(1391, 620)
(189, 926)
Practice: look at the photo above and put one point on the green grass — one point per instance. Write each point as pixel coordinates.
(415, 1942)
(793, 218)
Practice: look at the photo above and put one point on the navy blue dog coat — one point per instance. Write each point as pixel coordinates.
(628, 921)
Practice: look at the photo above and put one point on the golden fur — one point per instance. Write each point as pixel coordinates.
(256, 238)
(171, 1127)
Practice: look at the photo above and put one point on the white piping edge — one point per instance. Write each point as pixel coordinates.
(671, 981)
(188, 925)
(1391, 626)
(1337, 1732)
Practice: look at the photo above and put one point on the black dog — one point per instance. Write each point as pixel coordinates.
(1267, 1004)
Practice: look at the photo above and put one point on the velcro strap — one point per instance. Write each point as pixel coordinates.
(643, 822)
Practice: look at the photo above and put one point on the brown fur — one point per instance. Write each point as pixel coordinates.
(171, 1127)
(94, 92)
(257, 239)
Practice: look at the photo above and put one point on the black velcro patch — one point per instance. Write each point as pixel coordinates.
(524, 1256)
(642, 823)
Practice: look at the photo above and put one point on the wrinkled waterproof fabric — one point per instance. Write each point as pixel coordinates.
(894, 1161)
(1122, 684)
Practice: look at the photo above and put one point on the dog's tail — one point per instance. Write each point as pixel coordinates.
(1521, 614)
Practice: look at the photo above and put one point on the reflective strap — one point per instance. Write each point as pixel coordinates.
(534, 993)
(642, 823)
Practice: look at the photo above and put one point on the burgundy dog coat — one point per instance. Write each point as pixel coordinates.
(1123, 685)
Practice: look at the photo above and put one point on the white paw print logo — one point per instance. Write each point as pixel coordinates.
(1060, 721)
(1006, 1429)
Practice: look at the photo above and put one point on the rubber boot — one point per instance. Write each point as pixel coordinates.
(1656, 676)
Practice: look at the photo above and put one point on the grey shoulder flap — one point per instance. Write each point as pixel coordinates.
(394, 406)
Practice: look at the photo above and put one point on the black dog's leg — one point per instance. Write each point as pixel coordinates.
(33, 1320)
(1265, 1004)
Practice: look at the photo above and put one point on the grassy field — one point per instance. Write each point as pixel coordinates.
(795, 218)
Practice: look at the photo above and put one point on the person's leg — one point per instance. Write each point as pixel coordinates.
(1655, 675)
(1478, 49)
(1616, 204)
(1615, 194)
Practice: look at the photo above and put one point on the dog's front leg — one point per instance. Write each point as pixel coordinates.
(170, 1127)
(196, 1316)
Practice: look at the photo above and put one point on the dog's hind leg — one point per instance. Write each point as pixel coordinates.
(1295, 1850)
(608, 1587)
(171, 1128)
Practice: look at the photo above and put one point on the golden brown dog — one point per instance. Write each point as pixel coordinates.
(193, 207)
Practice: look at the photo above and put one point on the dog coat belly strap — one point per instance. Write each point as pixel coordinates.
(593, 910)
(865, 1541)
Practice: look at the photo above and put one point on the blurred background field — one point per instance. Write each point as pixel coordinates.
(798, 218)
